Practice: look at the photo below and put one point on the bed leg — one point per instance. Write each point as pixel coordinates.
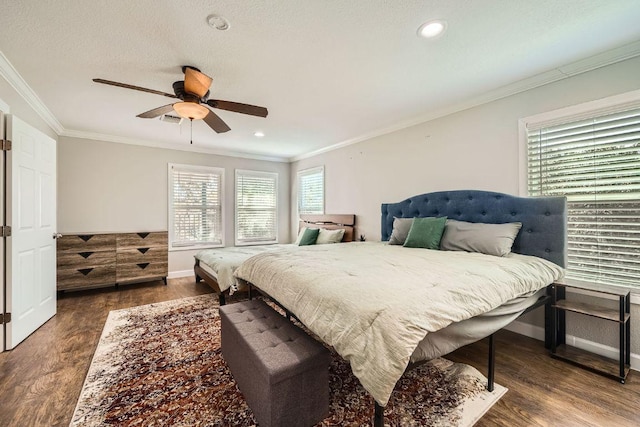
(378, 416)
(492, 363)
(221, 299)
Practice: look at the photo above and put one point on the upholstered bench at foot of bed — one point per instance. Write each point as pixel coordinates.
(282, 372)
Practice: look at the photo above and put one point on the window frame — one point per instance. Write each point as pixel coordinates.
(236, 228)
(300, 174)
(601, 107)
(170, 220)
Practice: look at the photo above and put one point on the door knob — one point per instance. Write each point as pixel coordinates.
(56, 236)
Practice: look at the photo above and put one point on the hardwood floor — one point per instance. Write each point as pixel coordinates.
(40, 380)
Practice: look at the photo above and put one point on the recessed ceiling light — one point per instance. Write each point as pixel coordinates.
(259, 134)
(431, 29)
(218, 22)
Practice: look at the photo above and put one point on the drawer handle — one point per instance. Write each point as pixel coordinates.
(143, 250)
(85, 271)
(85, 237)
(143, 235)
(143, 265)
(85, 255)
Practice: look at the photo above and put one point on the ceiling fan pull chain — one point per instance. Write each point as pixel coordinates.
(191, 120)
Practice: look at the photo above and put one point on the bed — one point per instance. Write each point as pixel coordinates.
(376, 305)
(216, 266)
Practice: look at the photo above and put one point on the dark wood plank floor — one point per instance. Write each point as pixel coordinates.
(41, 379)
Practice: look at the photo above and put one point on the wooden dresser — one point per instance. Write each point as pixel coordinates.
(96, 260)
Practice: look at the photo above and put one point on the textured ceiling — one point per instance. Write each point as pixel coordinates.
(329, 71)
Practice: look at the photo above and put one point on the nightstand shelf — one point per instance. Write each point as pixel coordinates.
(617, 369)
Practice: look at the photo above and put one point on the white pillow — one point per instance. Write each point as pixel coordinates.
(330, 236)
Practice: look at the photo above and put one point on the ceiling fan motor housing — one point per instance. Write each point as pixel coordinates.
(178, 89)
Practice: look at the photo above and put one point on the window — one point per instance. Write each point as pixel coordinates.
(195, 206)
(256, 207)
(595, 162)
(311, 191)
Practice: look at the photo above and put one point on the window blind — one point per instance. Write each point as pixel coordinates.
(311, 191)
(195, 206)
(256, 207)
(595, 163)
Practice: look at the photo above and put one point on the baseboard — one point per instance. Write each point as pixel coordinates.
(537, 332)
(180, 273)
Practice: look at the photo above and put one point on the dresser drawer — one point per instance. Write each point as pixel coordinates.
(141, 240)
(142, 270)
(76, 260)
(138, 255)
(86, 277)
(86, 242)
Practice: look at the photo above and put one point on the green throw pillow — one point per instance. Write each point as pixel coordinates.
(309, 237)
(425, 233)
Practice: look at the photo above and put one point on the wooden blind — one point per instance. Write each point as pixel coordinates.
(311, 191)
(595, 163)
(256, 207)
(195, 206)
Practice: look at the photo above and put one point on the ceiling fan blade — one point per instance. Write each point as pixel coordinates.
(196, 82)
(156, 112)
(237, 107)
(216, 123)
(127, 86)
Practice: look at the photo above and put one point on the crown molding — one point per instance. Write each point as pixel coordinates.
(609, 57)
(167, 146)
(16, 81)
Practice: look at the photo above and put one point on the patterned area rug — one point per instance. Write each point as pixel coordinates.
(160, 365)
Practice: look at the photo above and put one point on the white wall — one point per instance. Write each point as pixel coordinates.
(111, 187)
(472, 149)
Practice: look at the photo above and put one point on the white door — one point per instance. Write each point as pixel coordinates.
(2, 269)
(30, 269)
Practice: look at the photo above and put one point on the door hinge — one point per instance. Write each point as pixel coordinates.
(5, 231)
(6, 145)
(5, 318)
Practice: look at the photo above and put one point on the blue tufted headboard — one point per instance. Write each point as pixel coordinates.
(544, 219)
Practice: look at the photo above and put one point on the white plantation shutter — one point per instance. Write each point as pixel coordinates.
(195, 206)
(595, 162)
(256, 207)
(311, 191)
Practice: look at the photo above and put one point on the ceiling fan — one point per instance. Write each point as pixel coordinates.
(193, 92)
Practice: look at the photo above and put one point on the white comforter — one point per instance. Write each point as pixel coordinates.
(224, 261)
(375, 302)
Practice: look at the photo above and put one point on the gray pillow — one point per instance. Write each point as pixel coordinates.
(401, 227)
(490, 239)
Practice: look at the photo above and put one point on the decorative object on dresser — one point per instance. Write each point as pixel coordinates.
(94, 260)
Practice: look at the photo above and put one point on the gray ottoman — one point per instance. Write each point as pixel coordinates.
(282, 372)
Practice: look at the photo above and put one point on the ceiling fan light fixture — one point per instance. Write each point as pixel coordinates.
(432, 29)
(190, 110)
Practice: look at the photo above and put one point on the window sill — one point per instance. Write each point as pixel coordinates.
(194, 248)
